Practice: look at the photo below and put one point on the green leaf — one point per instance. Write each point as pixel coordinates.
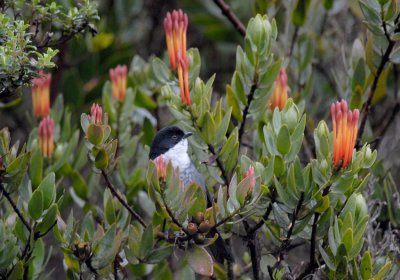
(359, 76)
(300, 12)
(281, 216)
(328, 4)
(382, 272)
(144, 101)
(109, 211)
(233, 103)
(79, 184)
(366, 266)
(161, 71)
(101, 160)
(48, 189)
(208, 130)
(283, 140)
(243, 189)
(147, 242)
(135, 236)
(95, 134)
(36, 167)
(370, 14)
(328, 260)
(392, 10)
(18, 272)
(200, 260)
(159, 254)
(347, 239)
(35, 205)
(342, 268)
(107, 248)
(223, 127)
(49, 218)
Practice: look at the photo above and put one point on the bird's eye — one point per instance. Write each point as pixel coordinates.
(174, 137)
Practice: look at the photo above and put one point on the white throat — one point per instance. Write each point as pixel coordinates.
(178, 155)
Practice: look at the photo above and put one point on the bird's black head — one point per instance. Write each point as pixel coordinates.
(165, 139)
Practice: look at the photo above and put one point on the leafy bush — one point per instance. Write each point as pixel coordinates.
(90, 195)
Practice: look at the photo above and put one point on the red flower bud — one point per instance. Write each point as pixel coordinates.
(118, 82)
(41, 94)
(161, 165)
(96, 114)
(345, 126)
(250, 173)
(280, 94)
(46, 136)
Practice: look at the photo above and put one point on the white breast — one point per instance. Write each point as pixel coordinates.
(178, 155)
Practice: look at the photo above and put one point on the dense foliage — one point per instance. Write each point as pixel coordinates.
(297, 188)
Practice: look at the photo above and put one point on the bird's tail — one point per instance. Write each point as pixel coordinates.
(220, 250)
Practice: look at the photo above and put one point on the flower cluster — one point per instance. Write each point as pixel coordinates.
(46, 136)
(345, 126)
(175, 26)
(41, 109)
(280, 94)
(118, 82)
(41, 94)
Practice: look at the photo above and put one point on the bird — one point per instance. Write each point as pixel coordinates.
(172, 143)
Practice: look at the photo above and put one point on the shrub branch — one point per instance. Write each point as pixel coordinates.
(384, 60)
(226, 11)
(14, 206)
(123, 202)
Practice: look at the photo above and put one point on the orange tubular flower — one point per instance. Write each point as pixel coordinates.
(96, 114)
(175, 26)
(280, 94)
(118, 82)
(46, 136)
(161, 165)
(345, 126)
(41, 94)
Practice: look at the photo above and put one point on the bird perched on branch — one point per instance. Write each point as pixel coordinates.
(172, 143)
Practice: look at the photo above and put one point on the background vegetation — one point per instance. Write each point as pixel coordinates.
(97, 208)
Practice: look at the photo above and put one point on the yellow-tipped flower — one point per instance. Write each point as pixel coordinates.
(118, 82)
(345, 126)
(175, 26)
(280, 94)
(46, 136)
(41, 94)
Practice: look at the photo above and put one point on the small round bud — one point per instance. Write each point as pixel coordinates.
(204, 226)
(199, 238)
(199, 217)
(192, 228)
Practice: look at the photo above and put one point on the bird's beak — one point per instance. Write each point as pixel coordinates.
(188, 134)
